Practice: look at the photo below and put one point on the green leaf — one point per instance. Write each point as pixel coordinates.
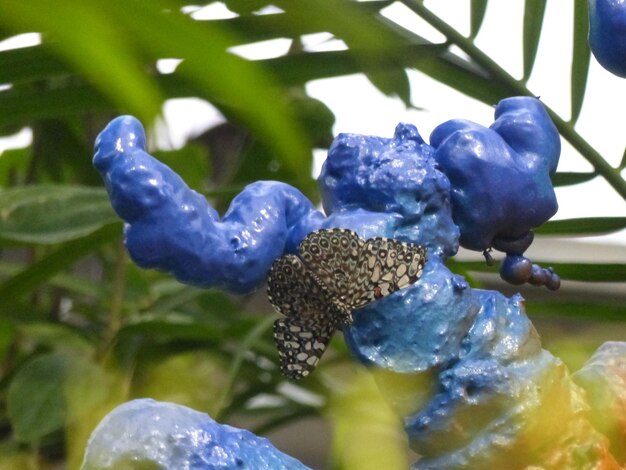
(533, 19)
(51, 390)
(465, 78)
(583, 226)
(13, 166)
(172, 296)
(35, 399)
(7, 335)
(581, 56)
(297, 69)
(47, 214)
(563, 178)
(244, 86)
(88, 36)
(56, 336)
(349, 21)
(246, 343)
(77, 285)
(190, 162)
(32, 277)
(622, 164)
(477, 15)
(172, 326)
(60, 151)
(290, 24)
(595, 311)
(21, 106)
(591, 272)
(316, 116)
(29, 64)
(392, 83)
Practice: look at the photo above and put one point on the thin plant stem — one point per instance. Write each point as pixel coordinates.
(114, 320)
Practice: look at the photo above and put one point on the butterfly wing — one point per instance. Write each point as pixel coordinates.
(333, 256)
(302, 341)
(293, 290)
(385, 266)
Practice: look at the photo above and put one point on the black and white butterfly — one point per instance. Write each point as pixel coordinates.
(335, 273)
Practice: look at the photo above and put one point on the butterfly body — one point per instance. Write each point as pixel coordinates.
(335, 273)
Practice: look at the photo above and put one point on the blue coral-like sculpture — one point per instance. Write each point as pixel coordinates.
(492, 394)
(607, 34)
(149, 434)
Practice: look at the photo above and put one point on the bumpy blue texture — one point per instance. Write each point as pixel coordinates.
(492, 183)
(500, 175)
(607, 34)
(173, 228)
(149, 434)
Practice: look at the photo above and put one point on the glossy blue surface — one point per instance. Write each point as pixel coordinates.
(607, 34)
(172, 228)
(482, 186)
(500, 175)
(150, 434)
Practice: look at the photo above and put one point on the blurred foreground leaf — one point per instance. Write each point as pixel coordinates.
(49, 214)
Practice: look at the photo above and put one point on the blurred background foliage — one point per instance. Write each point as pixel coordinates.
(82, 329)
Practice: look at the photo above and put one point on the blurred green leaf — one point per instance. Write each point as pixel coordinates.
(297, 69)
(47, 214)
(393, 83)
(7, 335)
(564, 178)
(289, 24)
(171, 326)
(51, 390)
(592, 272)
(477, 15)
(57, 337)
(190, 378)
(30, 64)
(191, 162)
(247, 341)
(13, 166)
(347, 21)
(36, 400)
(598, 311)
(582, 226)
(316, 116)
(36, 274)
(91, 30)
(596, 272)
(465, 78)
(581, 56)
(21, 106)
(76, 285)
(59, 148)
(242, 85)
(533, 20)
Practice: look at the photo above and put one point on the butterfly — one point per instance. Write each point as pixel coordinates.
(335, 273)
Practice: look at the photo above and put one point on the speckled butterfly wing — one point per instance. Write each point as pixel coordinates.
(385, 266)
(333, 256)
(293, 290)
(336, 272)
(301, 341)
(304, 333)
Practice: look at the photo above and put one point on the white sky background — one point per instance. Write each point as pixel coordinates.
(360, 108)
